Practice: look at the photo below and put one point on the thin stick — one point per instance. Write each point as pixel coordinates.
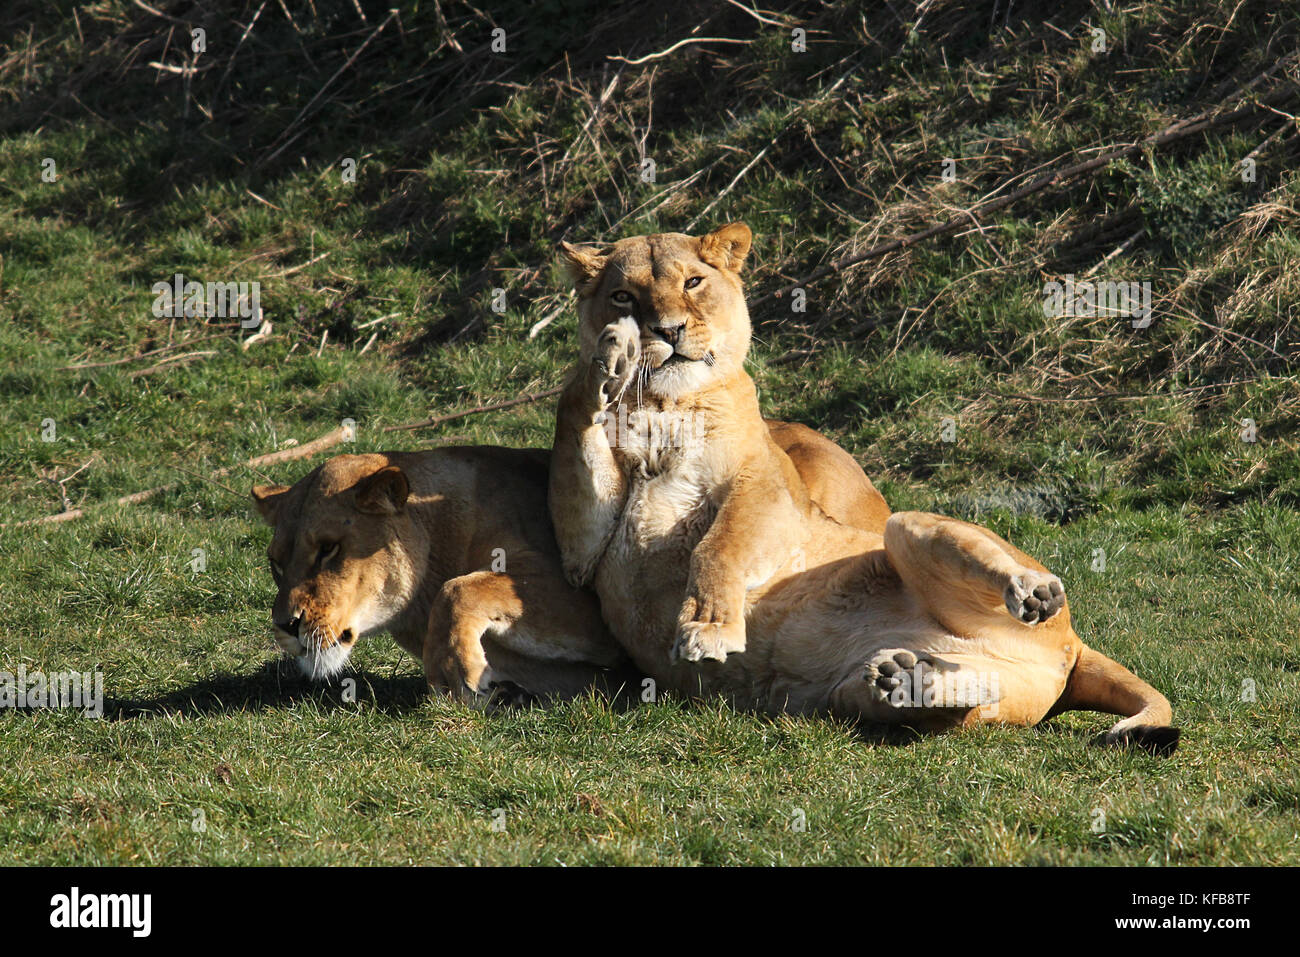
(301, 266)
(438, 420)
(675, 46)
(730, 186)
(143, 355)
(550, 317)
(1117, 251)
(326, 441)
(186, 357)
(1133, 396)
(756, 15)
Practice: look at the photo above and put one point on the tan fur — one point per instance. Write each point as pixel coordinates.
(717, 572)
(418, 536)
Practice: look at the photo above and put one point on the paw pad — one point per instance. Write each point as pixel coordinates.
(1034, 599)
(900, 676)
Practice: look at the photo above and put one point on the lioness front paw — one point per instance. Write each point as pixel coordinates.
(469, 681)
(1034, 597)
(713, 640)
(614, 363)
(507, 694)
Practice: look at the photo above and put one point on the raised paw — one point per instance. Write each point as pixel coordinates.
(1034, 597)
(900, 678)
(699, 640)
(614, 363)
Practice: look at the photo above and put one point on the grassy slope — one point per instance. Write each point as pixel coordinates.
(472, 165)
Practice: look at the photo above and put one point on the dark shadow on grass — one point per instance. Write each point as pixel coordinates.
(887, 735)
(277, 684)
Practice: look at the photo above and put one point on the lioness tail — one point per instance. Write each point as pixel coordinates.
(1099, 684)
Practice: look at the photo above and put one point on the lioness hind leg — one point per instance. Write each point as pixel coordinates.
(916, 689)
(932, 690)
(964, 574)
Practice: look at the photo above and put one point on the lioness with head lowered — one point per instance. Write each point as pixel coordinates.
(452, 551)
(719, 575)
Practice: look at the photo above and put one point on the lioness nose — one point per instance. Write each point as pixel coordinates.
(669, 334)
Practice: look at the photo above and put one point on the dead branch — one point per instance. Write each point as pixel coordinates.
(680, 43)
(326, 441)
(183, 359)
(438, 420)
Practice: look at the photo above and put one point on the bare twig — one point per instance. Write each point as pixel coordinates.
(438, 420)
(263, 332)
(1117, 251)
(298, 268)
(184, 358)
(756, 15)
(680, 43)
(144, 355)
(730, 186)
(550, 317)
(326, 441)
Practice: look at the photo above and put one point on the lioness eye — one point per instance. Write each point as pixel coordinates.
(327, 551)
(694, 281)
(622, 297)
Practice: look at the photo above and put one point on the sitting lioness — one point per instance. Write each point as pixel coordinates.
(719, 575)
(451, 550)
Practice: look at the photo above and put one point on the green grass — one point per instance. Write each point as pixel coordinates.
(1073, 435)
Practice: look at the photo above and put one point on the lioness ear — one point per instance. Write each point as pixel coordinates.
(383, 492)
(727, 246)
(268, 499)
(583, 265)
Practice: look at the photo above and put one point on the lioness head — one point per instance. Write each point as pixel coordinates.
(338, 556)
(685, 294)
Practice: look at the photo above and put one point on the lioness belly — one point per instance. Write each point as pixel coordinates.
(806, 628)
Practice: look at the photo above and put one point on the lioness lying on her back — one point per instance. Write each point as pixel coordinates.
(452, 551)
(717, 573)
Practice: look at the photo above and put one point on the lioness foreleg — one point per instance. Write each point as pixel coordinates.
(748, 542)
(466, 608)
(587, 487)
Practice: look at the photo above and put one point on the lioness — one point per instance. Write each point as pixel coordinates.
(718, 574)
(451, 550)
